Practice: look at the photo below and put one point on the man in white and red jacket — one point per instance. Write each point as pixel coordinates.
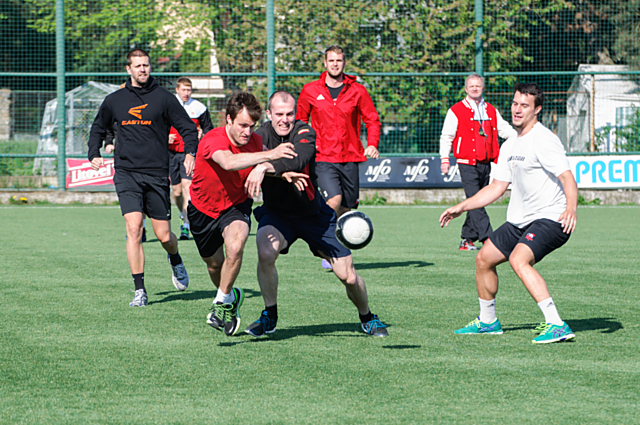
(471, 127)
(180, 181)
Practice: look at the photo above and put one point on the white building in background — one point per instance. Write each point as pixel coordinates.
(183, 21)
(82, 104)
(597, 102)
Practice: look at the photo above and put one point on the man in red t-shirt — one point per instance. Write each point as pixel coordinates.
(220, 204)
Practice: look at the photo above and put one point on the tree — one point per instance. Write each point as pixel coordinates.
(99, 33)
(627, 27)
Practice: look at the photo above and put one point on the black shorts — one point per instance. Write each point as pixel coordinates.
(318, 230)
(542, 236)
(139, 192)
(339, 179)
(207, 231)
(177, 172)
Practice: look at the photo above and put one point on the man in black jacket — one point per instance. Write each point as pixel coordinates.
(144, 113)
(289, 214)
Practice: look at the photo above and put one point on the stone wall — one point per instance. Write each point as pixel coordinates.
(393, 196)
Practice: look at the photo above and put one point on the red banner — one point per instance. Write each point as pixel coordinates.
(80, 173)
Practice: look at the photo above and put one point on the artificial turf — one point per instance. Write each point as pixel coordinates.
(72, 351)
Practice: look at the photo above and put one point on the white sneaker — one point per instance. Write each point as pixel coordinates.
(179, 275)
(139, 299)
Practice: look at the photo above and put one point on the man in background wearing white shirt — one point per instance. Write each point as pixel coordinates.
(471, 128)
(540, 217)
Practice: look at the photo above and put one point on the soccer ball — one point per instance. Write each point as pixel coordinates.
(354, 230)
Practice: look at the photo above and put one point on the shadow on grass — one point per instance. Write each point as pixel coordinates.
(401, 347)
(349, 330)
(605, 325)
(364, 266)
(197, 295)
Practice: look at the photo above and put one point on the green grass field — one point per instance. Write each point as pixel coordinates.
(72, 351)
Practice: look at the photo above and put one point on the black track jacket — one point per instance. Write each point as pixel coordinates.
(144, 116)
(279, 195)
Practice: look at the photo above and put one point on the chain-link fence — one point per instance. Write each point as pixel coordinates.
(412, 57)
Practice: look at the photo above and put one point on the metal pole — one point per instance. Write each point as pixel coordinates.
(479, 14)
(60, 88)
(271, 57)
(592, 135)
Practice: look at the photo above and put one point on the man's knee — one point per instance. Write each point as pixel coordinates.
(267, 253)
(269, 242)
(520, 260)
(488, 257)
(177, 190)
(162, 230)
(345, 271)
(234, 249)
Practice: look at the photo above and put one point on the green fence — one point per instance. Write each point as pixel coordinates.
(412, 56)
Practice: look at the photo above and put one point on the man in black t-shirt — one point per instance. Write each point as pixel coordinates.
(144, 113)
(290, 213)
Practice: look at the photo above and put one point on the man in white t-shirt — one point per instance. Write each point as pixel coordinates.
(540, 217)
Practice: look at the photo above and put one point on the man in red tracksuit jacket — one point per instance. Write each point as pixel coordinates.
(335, 105)
(471, 128)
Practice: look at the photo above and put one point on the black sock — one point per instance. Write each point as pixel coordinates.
(138, 281)
(364, 318)
(272, 311)
(175, 259)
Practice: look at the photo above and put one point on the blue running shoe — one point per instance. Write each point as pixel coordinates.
(375, 327)
(263, 326)
(476, 327)
(553, 333)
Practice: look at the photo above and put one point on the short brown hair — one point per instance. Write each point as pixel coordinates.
(184, 81)
(241, 100)
(138, 53)
(335, 49)
(532, 89)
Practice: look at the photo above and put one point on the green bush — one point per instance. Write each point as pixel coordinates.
(376, 200)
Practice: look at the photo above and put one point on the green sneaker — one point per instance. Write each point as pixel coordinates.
(184, 233)
(219, 314)
(476, 327)
(232, 325)
(553, 333)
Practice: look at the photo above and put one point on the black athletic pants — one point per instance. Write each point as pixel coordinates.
(477, 226)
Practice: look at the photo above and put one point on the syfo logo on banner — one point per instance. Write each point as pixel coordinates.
(81, 174)
(417, 173)
(379, 173)
(407, 172)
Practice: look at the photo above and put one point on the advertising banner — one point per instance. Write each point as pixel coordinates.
(591, 172)
(79, 174)
(606, 172)
(410, 172)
